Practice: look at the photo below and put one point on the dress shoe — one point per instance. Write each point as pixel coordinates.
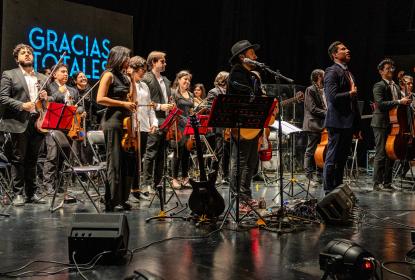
(126, 206)
(391, 187)
(377, 187)
(35, 199)
(18, 200)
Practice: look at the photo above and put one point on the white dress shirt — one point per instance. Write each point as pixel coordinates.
(32, 85)
(164, 91)
(146, 114)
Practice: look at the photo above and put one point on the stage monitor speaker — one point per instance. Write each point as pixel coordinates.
(336, 207)
(92, 234)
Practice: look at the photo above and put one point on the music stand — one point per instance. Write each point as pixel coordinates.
(240, 111)
(161, 187)
(291, 131)
(58, 116)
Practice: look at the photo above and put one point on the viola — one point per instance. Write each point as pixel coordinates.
(130, 141)
(321, 150)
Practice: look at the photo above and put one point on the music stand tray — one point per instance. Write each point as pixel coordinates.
(58, 116)
(240, 111)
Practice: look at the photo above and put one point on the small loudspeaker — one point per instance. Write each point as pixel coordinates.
(92, 234)
(336, 207)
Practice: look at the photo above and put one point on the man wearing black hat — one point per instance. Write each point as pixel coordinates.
(243, 82)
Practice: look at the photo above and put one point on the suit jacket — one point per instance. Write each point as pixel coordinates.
(383, 97)
(314, 110)
(156, 93)
(13, 93)
(342, 109)
(242, 81)
(59, 97)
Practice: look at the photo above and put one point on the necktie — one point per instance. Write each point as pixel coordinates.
(393, 90)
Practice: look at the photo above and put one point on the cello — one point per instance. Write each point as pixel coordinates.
(399, 144)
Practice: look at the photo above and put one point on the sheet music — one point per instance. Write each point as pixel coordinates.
(286, 127)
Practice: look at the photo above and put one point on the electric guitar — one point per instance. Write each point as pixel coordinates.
(205, 200)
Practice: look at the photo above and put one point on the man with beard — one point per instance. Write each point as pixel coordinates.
(18, 94)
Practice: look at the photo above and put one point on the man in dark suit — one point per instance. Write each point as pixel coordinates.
(18, 94)
(314, 115)
(159, 93)
(60, 93)
(222, 147)
(342, 117)
(243, 82)
(386, 95)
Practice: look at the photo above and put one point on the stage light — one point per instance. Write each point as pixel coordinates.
(344, 259)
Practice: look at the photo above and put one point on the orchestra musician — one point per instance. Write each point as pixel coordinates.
(342, 117)
(222, 147)
(387, 95)
(18, 94)
(199, 93)
(146, 117)
(113, 89)
(184, 101)
(60, 92)
(314, 115)
(243, 82)
(160, 94)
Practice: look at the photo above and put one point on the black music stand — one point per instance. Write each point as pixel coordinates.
(161, 187)
(240, 111)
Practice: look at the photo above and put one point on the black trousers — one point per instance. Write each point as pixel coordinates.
(25, 149)
(382, 166)
(117, 190)
(338, 149)
(313, 139)
(154, 158)
(222, 151)
(181, 160)
(248, 153)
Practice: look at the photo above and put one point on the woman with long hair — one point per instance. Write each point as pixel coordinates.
(199, 93)
(112, 93)
(184, 101)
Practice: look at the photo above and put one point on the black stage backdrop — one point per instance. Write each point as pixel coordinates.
(294, 35)
(52, 27)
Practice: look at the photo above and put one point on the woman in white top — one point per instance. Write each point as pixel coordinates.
(145, 114)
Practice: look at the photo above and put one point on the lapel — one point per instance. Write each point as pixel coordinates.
(389, 90)
(22, 80)
(157, 84)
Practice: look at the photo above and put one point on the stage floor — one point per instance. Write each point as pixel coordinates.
(33, 233)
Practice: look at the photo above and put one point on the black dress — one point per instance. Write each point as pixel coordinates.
(118, 188)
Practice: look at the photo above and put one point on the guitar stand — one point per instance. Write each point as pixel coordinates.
(161, 193)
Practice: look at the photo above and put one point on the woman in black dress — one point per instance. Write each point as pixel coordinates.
(112, 93)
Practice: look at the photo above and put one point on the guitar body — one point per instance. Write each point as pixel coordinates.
(321, 150)
(205, 198)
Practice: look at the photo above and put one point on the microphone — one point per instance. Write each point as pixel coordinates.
(253, 62)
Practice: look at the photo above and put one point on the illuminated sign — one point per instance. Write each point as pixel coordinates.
(83, 53)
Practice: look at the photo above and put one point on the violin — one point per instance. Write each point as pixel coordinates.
(41, 107)
(77, 131)
(130, 140)
(174, 133)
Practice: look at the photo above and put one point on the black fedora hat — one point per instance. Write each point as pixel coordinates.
(241, 46)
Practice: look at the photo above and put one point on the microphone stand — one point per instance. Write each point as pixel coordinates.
(281, 214)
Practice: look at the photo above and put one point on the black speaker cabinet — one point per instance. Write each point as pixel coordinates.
(336, 207)
(91, 234)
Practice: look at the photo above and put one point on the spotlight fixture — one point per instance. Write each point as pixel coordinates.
(344, 259)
